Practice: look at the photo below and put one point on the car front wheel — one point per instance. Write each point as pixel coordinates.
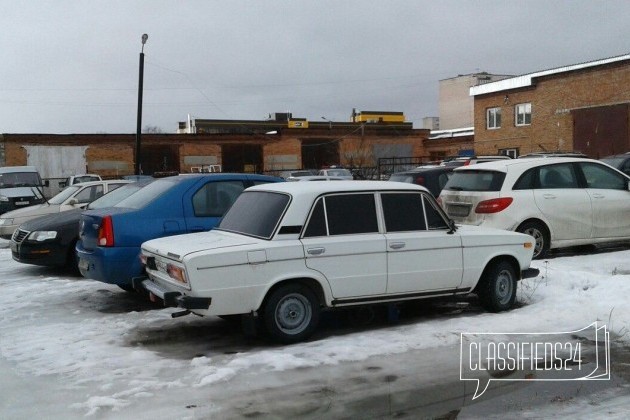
(291, 313)
(497, 289)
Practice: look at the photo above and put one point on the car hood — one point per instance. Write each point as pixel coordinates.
(178, 246)
(53, 221)
(32, 211)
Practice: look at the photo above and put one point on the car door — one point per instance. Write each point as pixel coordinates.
(565, 205)
(208, 203)
(342, 241)
(610, 200)
(421, 253)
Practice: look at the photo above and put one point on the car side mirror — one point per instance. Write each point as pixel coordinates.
(73, 201)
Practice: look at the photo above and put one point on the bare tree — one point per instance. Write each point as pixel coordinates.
(152, 129)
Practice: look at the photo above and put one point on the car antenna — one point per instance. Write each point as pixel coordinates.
(41, 192)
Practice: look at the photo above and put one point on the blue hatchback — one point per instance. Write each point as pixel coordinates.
(109, 239)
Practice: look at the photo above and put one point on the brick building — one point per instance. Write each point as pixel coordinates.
(238, 146)
(581, 107)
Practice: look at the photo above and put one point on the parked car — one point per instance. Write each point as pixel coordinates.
(288, 251)
(472, 160)
(50, 240)
(110, 239)
(620, 162)
(20, 186)
(317, 178)
(76, 179)
(433, 178)
(72, 197)
(336, 172)
(295, 175)
(553, 154)
(559, 201)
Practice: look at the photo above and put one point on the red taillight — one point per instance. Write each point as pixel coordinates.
(106, 232)
(467, 163)
(420, 180)
(493, 206)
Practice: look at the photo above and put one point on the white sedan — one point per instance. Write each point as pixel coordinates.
(286, 251)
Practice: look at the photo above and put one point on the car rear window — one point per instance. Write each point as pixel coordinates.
(255, 213)
(147, 194)
(475, 180)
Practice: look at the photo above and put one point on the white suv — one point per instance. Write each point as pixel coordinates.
(559, 201)
(285, 251)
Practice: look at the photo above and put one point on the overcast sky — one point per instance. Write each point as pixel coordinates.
(72, 66)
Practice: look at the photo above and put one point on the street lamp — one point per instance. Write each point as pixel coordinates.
(137, 167)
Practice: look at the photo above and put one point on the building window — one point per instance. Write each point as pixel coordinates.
(513, 153)
(493, 118)
(523, 114)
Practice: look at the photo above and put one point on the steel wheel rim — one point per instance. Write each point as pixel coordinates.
(504, 287)
(293, 313)
(538, 238)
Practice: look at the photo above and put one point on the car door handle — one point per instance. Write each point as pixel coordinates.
(316, 251)
(549, 196)
(397, 245)
(598, 196)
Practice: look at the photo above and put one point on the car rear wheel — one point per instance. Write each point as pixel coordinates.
(541, 237)
(291, 313)
(497, 289)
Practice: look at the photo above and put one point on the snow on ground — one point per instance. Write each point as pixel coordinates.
(113, 353)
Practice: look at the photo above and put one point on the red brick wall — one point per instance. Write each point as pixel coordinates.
(552, 98)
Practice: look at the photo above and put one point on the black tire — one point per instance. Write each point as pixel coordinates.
(497, 287)
(540, 233)
(291, 313)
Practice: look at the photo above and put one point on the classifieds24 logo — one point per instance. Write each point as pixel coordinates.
(557, 356)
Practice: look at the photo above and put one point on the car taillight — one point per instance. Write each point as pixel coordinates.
(420, 180)
(467, 163)
(493, 206)
(106, 232)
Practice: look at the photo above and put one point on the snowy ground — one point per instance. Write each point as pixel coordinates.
(74, 348)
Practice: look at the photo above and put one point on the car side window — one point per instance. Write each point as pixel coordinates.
(317, 222)
(599, 176)
(351, 214)
(215, 198)
(89, 194)
(557, 176)
(526, 181)
(403, 212)
(434, 217)
(112, 187)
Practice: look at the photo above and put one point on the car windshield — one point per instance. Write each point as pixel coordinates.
(116, 196)
(475, 180)
(255, 213)
(339, 172)
(148, 193)
(64, 195)
(19, 179)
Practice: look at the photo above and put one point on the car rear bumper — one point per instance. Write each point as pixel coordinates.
(116, 265)
(170, 298)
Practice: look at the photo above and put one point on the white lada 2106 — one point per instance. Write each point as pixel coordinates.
(284, 252)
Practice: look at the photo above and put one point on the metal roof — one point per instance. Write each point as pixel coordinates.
(526, 79)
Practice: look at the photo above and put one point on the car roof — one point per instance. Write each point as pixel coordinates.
(504, 165)
(11, 169)
(316, 188)
(105, 181)
(421, 170)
